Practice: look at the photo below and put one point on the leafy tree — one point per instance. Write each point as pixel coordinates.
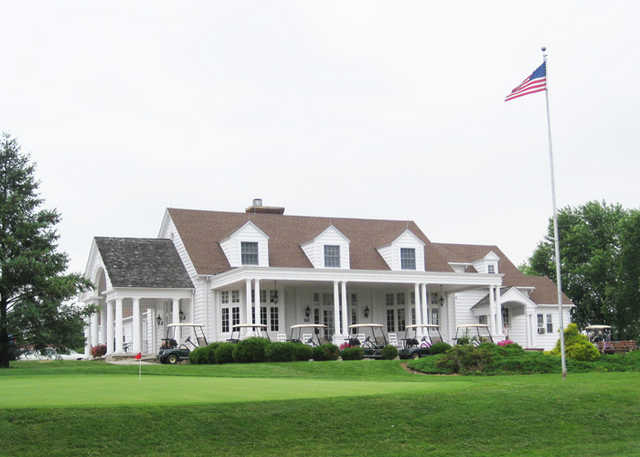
(33, 283)
(598, 242)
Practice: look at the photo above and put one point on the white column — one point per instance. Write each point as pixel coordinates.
(450, 302)
(247, 283)
(491, 320)
(336, 309)
(256, 294)
(94, 329)
(425, 304)
(500, 325)
(416, 293)
(175, 318)
(110, 327)
(87, 338)
(103, 319)
(137, 334)
(119, 330)
(345, 330)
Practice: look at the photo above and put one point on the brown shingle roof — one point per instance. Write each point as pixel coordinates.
(201, 232)
(545, 290)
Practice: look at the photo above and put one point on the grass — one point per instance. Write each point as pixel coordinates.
(312, 409)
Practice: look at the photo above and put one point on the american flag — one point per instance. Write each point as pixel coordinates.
(537, 82)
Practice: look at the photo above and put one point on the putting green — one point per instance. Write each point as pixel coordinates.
(119, 390)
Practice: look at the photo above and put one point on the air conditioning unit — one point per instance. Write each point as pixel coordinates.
(540, 330)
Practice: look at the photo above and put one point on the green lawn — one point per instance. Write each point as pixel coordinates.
(306, 409)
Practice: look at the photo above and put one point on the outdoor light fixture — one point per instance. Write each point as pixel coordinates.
(365, 311)
(307, 312)
(158, 320)
(182, 316)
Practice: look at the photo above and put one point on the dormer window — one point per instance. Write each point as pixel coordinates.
(408, 258)
(249, 252)
(331, 256)
(491, 269)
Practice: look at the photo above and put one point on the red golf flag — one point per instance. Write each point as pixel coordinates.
(138, 355)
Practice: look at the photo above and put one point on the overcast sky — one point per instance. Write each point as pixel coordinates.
(355, 109)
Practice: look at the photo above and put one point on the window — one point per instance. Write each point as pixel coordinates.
(316, 316)
(354, 299)
(235, 315)
(275, 319)
(540, 323)
(263, 296)
(225, 320)
(435, 316)
(413, 298)
(482, 319)
(331, 256)
(235, 296)
(224, 296)
(391, 325)
(400, 298)
(401, 320)
(408, 258)
(354, 319)
(249, 252)
(389, 299)
(327, 299)
(263, 315)
(491, 269)
(549, 324)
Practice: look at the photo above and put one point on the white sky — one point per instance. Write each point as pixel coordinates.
(357, 109)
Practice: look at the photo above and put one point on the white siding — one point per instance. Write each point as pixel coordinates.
(547, 341)
(169, 231)
(464, 301)
(248, 232)
(391, 253)
(331, 236)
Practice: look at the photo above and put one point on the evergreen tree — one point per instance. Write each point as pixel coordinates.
(33, 283)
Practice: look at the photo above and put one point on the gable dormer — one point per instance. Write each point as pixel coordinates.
(247, 246)
(329, 249)
(406, 252)
(487, 264)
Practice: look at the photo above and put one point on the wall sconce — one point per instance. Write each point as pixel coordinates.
(307, 312)
(158, 320)
(441, 301)
(182, 316)
(365, 311)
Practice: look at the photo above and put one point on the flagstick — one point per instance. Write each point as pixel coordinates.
(140, 369)
(555, 222)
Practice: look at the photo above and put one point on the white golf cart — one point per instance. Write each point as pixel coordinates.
(373, 337)
(600, 335)
(243, 331)
(414, 345)
(311, 334)
(473, 334)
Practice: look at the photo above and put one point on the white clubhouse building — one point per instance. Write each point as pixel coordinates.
(219, 269)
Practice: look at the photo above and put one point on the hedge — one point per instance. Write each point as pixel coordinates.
(224, 352)
(280, 352)
(352, 353)
(250, 350)
(326, 351)
(389, 352)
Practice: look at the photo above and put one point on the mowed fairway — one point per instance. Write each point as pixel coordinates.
(311, 410)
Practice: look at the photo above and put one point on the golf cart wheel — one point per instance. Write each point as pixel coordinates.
(172, 359)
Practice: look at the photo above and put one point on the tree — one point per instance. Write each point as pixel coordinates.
(33, 283)
(598, 243)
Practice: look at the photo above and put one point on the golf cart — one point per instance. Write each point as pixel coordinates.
(414, 346)
(600, 335)
(171, 352)
(473, 334)
(312, 337)
(241, 331)
(374, 339)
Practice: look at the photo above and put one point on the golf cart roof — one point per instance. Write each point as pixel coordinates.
(309, 326)
(598, 327)
(184, 325)
(472, 326)
(366, 325)
(422, 326)
(249, 325)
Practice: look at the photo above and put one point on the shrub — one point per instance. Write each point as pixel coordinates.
(353, 353)
(224, 352)
(302, 352)
(389, 352)
(463, 341)
(99, 350)
(577, 346)
(280, 352)
(326, 351)
(466, 358)
(439, 348)
(250, 350)
(198, 355)
(210, 351)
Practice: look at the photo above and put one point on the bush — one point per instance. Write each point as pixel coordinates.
(577, 346)
(99, 350)
(250, 350)
(210, 350)
(224, 352)
(353, 353)
(463, 341)
(439, 348)
(389, 352)
(198, 355)
(466, 358)
(326, 352)
(302, 352)
(280, 352)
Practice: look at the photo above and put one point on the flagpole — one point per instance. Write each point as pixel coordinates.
(555, 221)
